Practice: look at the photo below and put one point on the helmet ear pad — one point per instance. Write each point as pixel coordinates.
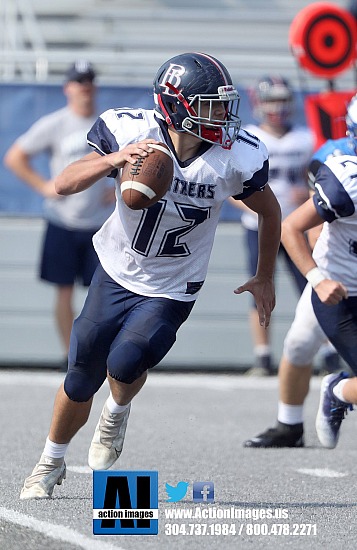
(179, 109)
(176, 113)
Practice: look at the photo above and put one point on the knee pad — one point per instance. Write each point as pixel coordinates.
(132, 354)
(86, 361)
(78, 386)
(305, 335)
(302, 342)
(299, 349)
(127, 361)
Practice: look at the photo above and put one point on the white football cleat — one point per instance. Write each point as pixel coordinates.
(108, 440)
(47, 473)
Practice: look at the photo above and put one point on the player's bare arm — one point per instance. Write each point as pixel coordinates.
(294, 240)
(83, 173)
(262, 284)
(17, 160)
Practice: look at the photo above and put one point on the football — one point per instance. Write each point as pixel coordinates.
(144, 183)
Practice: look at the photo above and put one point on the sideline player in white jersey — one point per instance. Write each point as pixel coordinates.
(290, 148)
(305, 335)
(153, 262)
(332, 272)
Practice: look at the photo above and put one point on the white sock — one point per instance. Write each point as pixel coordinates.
(290, 414)
(262, 349)
(338, 390)
(113, 407)
(55, 450)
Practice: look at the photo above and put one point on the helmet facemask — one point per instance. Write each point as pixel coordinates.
(201, 120)
(196, 115)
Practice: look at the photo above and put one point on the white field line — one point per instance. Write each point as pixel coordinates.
(57, 532)
(159, 380)
(321, 472)
(80, 469)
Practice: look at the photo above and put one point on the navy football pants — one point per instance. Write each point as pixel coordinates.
(119, 332)
(339, 323)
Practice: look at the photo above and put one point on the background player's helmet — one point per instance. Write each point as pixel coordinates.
(273, 100)
(351, 123)
(187, 82)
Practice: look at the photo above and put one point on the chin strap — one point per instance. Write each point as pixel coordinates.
(181, 98)
(162, 106)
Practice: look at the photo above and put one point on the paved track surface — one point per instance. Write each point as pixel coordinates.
(188, 427)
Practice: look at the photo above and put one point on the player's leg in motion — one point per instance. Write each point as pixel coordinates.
(68, 418)
(338, 391)
(300, 346)
(148, 334)
(119, 334)
(92, 334)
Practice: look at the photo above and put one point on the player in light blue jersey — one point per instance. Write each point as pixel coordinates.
(153, 262)
(305, 336)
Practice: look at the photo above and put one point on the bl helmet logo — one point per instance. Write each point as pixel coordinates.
(173, 77)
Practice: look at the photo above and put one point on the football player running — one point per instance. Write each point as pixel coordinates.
(331, 271)
(153, 262)
(305, 335)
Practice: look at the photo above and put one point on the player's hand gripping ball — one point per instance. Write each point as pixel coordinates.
(144, 183)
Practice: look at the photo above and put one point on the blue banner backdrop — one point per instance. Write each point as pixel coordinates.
(22, 104)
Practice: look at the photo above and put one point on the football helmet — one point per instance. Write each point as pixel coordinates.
(351, 123)
(193, 93)
(273, 100)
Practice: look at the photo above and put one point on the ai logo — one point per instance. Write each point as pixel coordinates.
(125, 503)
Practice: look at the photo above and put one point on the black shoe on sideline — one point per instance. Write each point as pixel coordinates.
(283, 435)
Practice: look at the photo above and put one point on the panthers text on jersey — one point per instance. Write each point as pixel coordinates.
(164, 250)
(335, 200)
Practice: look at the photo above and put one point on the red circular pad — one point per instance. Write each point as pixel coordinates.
(323, 39)
(144, 183)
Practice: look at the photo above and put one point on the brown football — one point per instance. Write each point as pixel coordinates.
(144, 183)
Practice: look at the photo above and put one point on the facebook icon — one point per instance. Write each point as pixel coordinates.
(203, 491)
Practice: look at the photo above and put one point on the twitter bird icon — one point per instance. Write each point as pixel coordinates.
(176, 493)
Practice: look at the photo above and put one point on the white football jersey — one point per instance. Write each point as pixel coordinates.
(289, 157)
(335, 200)
(164, 250)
